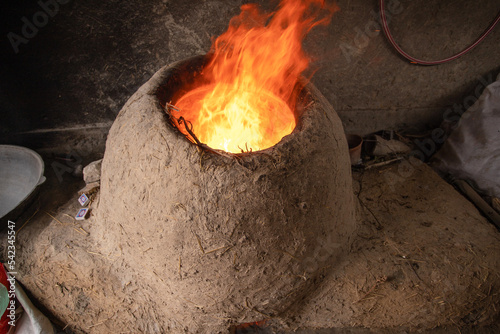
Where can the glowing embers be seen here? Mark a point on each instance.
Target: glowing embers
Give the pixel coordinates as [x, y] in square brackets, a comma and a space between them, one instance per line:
[234, 121]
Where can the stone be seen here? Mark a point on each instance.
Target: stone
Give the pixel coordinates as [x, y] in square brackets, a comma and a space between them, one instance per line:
[384, 147]
[92, 172]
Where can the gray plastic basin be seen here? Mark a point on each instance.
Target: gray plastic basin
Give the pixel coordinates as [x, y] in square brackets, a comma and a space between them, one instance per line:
[21, 171]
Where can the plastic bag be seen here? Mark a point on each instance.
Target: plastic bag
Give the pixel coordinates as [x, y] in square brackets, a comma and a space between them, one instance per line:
[472, 151]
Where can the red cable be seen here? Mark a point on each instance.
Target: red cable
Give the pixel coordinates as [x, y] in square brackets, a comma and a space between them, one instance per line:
[387, 32]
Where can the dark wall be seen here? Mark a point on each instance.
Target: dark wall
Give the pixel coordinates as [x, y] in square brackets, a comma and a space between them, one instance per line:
[84, 62]
[90, 57]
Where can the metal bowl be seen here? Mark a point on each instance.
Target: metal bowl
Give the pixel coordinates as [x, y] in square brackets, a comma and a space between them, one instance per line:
[21, 174]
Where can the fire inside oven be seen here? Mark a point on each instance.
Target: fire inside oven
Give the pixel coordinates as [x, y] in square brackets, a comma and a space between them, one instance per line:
[244, 99]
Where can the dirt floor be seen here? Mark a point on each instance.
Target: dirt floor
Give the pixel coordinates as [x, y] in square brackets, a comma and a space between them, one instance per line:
[423, 258]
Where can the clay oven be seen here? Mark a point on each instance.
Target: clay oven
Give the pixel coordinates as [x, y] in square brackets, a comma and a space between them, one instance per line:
[224, 238]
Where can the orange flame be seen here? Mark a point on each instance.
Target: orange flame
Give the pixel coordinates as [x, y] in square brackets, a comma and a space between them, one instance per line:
[254, 68]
